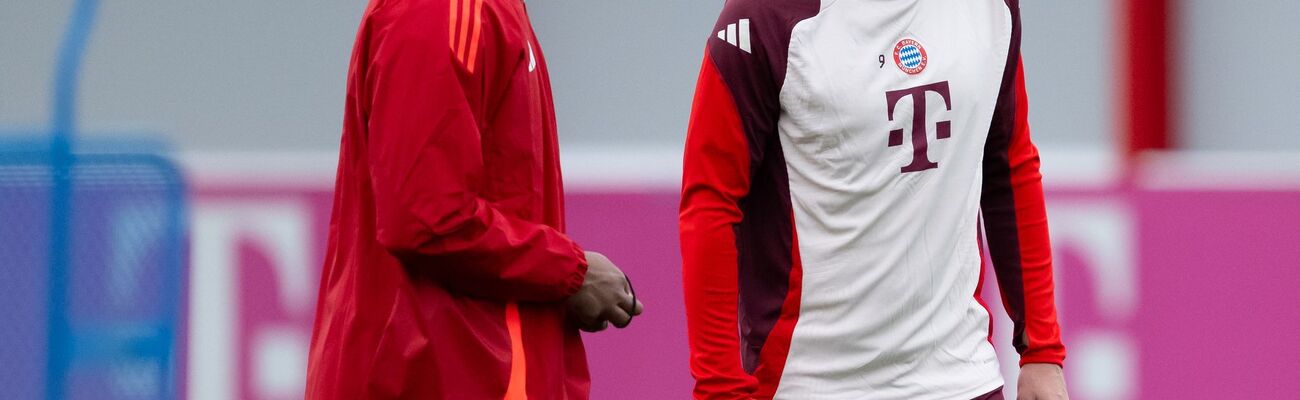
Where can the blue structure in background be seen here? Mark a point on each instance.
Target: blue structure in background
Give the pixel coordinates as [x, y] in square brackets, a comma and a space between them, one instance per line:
[62, 124]
[105, 294]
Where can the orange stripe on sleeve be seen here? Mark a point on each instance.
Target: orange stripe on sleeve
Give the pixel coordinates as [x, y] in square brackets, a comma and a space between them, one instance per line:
[517, 388]
[464, 32]
[452, 19]
[478, 30]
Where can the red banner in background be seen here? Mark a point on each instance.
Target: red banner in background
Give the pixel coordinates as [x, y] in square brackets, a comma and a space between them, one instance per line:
[1163, 294]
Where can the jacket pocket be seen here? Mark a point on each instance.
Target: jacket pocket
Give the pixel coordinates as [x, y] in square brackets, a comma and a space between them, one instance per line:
[401, 351]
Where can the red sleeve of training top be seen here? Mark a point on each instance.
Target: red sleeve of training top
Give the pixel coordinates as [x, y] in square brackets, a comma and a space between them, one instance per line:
[716, 177]
[426, 164]
[1015, 219]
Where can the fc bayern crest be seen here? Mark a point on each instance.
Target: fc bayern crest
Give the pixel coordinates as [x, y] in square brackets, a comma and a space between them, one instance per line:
[910, 56]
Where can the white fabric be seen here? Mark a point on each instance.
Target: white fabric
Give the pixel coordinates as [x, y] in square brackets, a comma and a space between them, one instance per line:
[890, 259]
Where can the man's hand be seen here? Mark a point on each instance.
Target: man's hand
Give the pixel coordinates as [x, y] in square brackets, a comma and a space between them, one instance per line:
[605, 297]
[1041, 382]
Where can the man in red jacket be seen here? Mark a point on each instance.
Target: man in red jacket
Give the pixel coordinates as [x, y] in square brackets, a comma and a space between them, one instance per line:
[448, 273]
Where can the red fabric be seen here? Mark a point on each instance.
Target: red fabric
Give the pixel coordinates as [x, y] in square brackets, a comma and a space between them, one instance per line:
[448, 212]
[1147, 74]
[717, 176]
[1042, 333]
[777, 347]
[996, 394]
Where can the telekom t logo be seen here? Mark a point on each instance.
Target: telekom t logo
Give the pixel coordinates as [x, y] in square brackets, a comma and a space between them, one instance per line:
[920, 157]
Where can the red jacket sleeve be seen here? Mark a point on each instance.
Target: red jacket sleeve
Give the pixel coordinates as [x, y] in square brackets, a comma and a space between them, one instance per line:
[1015, 220]
[427, 169]
[716, 176]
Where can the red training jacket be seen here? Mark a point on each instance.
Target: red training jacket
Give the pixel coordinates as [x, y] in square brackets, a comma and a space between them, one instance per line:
[447, 263]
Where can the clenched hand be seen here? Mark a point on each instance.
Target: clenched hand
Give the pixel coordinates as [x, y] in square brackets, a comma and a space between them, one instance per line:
[605, 297]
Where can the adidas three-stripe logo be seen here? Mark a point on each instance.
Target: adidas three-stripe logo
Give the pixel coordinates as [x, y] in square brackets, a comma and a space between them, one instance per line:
[464, 28]
[737, 34]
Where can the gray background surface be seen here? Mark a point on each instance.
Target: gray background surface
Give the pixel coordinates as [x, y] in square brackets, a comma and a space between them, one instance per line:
[268, 75]
[1241, 77]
